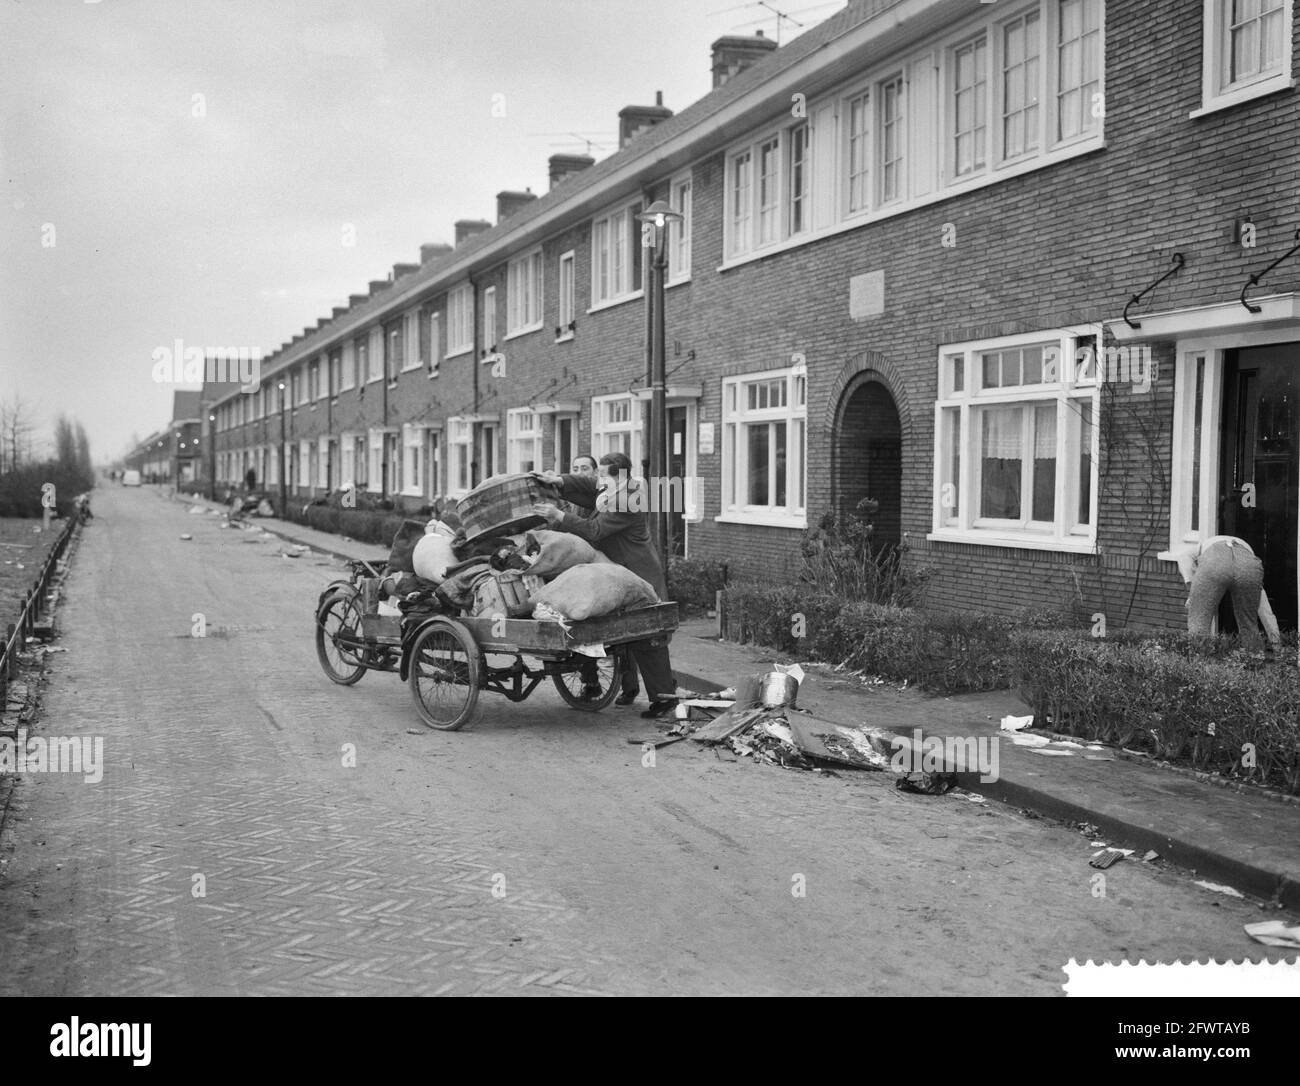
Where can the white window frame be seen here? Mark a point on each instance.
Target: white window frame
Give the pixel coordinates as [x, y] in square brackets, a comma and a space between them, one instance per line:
[375, 354]
[614, 284]
[1216, 92]
[347, 457]
[321, 366]
[1075, 383]
[348, 376]
[432, 461]
[460, 453]
[303, 476]
[323, 461]
[606, 431]
[460, 321]
[883, 126]
[736, 417]
[681, 193]
[489, 321]
[411, 340]
[523, 440]
[413, 467]
[375, 462]
[524, 294]
[568, 292]
[435, 343]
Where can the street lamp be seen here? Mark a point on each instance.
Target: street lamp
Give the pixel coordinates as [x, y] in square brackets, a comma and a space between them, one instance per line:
[212, 456]
[284, 497]
[654, 224]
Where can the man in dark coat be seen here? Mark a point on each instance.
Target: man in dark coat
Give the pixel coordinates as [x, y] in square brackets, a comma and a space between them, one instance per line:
[623, 536]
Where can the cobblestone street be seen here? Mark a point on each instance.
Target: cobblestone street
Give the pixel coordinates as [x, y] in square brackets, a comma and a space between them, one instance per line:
[229, 850]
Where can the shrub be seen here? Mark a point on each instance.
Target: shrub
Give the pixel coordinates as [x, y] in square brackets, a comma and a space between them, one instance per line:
[840, 558]
[1188, 700]
[694, 582]
[21, 489]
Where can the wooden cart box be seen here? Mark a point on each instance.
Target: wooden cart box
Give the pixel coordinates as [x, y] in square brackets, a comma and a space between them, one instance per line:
[537, 638]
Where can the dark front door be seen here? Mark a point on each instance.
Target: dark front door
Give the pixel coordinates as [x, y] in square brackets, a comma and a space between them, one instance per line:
[1260, 495]
[676, 470]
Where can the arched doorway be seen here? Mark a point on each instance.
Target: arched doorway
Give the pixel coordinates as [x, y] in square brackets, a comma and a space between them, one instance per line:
[869, 456]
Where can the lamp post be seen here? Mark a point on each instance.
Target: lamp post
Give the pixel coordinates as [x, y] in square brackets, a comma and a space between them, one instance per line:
[284, 497]
[212, 457]
[654, 224]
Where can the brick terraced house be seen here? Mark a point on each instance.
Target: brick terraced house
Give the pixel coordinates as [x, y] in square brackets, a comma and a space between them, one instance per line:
[912, 239]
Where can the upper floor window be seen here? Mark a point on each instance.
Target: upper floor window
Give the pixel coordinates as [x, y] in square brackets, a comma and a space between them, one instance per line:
[679, 233]
[892, 147]
[460, 324]
[564, 327]
[615, 255]
[524, 294]
[489, 320]
[1247, 50]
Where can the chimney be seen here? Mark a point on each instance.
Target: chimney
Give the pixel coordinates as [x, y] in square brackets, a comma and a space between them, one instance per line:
[633, 120]
[400, 270]
[433, 251]
[339, 310]
[732, 55]
[356, 299]
[376, 285]
[510, 202]
[562, 167]
[467, 228]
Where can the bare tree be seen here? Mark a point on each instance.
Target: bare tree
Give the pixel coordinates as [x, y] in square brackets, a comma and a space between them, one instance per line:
[65, 443]
[17, 425]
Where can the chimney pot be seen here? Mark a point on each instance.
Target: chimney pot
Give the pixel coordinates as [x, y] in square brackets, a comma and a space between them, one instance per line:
[510, 202]
[433, 251]
[561, 167]
[732, 55]
[400, 270]
[633, 120]
[356, 299]
[467, 228]
[376, 285]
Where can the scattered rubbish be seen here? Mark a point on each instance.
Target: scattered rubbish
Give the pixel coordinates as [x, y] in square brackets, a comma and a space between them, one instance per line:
[19, 565]
[416, 731]
[1055, 753]
[1097, 844]
[1274, 933]
[1067, 743]
[1152, 855]
[1108, 858]
[1099, 757]
[251, 541]
[659, 741]
[187, 536]
[1095, 746]
[1218, 889]
[287, 554]
[54, 648]
[196, 510]
[1030, 740]
[1016, 723]
[927, 784]
[1088, 829]
[1135, 753]
[974, 798]
[865, 748]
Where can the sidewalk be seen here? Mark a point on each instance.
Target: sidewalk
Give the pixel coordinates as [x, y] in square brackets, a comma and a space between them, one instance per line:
[1243, 839]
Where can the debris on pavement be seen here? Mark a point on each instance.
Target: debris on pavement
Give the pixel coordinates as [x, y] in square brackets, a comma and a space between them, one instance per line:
[1218, 888]
[1016, 723]
[1029, 740]
[1274, 933]
[1152, 855]
[866, 748]
[187, 536]
[1052, 753]
[1106, 858]
[927, 784]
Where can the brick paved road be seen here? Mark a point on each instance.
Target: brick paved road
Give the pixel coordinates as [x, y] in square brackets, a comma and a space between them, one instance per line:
[224, 761]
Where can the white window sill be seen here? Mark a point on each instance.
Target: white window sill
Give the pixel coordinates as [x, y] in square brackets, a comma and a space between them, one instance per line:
[1243, 94]
[458, 353]
[527, 331]
[764, 520]
[312, 407]
[678, 282]
[1080, 545]
[566, 338]
[416, 493]
[347, 388]
[947, 192]
[622, 299]
[413, 368]
[392, 384]
[374, 380]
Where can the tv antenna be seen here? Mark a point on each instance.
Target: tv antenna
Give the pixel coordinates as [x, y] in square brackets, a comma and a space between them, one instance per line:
[782, 17]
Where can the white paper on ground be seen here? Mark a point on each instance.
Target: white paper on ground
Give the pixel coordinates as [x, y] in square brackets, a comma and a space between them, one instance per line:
[597, 651]
[1274, 933]
[1217, 888]
[1030, 740]
[1057, 753]
[1067, 743]
[1016, 723]
[793, 670]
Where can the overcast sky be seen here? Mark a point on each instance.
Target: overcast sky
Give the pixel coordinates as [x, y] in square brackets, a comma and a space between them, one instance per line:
[136, 213]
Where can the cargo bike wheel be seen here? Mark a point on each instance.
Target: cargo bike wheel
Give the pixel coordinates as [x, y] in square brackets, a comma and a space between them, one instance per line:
[445, 670]
[574, 687]
[338, 636]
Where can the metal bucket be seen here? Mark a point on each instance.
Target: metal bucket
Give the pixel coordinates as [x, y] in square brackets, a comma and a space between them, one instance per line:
[778, 690]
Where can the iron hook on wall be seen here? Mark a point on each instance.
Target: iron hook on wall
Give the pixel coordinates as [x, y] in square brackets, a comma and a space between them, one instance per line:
[1253, 281]
[1179, 261]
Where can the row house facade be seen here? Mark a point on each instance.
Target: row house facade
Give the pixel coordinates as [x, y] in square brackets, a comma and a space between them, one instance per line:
[911, 247]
